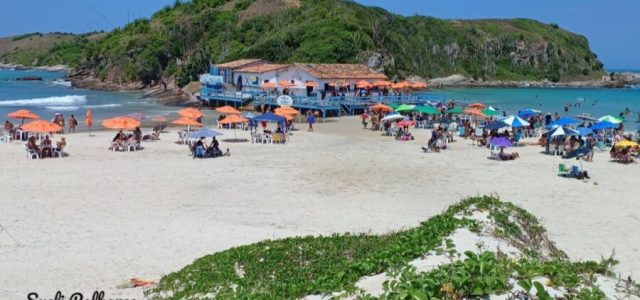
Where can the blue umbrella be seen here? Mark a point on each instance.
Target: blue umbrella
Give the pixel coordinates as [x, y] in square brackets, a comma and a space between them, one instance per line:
[495, 125]
[584, 131]
[204, 133]
[528, 113]
[564, 121]
[580, 152]
[604, 125]
[562, 131]
[501, 142]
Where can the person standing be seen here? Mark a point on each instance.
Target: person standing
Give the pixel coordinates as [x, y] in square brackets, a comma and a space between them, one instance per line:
[365, 117]
[72, 124]
[311, 119]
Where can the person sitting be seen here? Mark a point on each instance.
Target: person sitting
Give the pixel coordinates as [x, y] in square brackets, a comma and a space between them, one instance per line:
[508, 156]
[118, 141]
[198, 149]
[47, 151]
[61, 144]
[31, 145]
[8, 127]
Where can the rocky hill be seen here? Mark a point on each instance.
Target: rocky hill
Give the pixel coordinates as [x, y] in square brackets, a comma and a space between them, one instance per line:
[179, 42]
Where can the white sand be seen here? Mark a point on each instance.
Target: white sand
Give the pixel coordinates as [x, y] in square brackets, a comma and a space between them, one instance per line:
[95, 219]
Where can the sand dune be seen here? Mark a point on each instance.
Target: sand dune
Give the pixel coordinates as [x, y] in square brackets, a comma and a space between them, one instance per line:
[96, 218]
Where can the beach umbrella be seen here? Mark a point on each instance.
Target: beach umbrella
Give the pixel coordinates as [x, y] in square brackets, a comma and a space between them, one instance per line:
[580, 152]
[474, 112]
[269, 85]
[381, 107]
[564, 121]
[391, 117]
[286, 83]
[501, 142]
[190, 113]
[310, 83]
[121, 123]
[584, 131]
[401, 85]
[187, 122]
[604, 125]
[626, 143]
[405, 108]
[41, 126]
[528, 113]
[363, 84]
[419, 85]
[228, 110]
[585, 116]
[455, 111]
[429, 110]
[394, 105]
[490, 112]
[287, 110]
[495, 125]
[23, 114]
[476, 105]
[204, 133]
[562, 131]
[611, 119]
[405, 123]
[515, 121]
[88, 119]
[382, 83]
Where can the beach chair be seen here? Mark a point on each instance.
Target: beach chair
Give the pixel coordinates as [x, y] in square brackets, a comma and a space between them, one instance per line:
[31, 153]
[276, 139]
[495, 151]
[58, 152]
[601, 146]
[477, 135]
[562, 170]
[200, 152]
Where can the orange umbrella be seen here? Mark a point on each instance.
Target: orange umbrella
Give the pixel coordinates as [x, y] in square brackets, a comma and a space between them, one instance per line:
[363, 84]
[310, 83]
[23, 114]
[187, 122]
[233, 119]
[288, 117]
[228, 110]
[286, 83]
[476, 105]
[381, 107]
[401, 85]
[41, 126]
[419, 85]
[269, 85]
[287, 110]
[382, 83]
[88, 120]
[121, 123]
[190, 113]
[474, 112]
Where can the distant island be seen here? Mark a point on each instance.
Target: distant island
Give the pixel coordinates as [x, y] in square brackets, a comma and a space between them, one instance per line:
[179, 42]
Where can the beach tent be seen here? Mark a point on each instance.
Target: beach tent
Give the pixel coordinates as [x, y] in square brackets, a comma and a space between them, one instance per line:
[268, 117]
[611, 119]
[515, 121]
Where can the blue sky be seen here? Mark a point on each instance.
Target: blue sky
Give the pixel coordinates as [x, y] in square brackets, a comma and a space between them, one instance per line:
[611, 25]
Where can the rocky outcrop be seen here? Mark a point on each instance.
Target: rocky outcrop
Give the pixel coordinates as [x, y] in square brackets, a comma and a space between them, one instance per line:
[29, 78]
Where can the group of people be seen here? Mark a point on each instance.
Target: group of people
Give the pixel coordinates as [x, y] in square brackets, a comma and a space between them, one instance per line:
[60, 121]
[45, 148]
[624, 155]
[201, 149]
[121, 140]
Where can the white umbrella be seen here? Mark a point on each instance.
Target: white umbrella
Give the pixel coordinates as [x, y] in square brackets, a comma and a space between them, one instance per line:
[515, 121]
[392, 117]
[610, 119]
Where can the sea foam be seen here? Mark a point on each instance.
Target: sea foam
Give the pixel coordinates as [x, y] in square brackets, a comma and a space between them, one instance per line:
[49, 101]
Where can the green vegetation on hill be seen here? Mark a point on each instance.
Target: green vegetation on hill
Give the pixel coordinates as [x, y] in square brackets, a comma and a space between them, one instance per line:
[38, 49]
[295, 267]
[182, 40]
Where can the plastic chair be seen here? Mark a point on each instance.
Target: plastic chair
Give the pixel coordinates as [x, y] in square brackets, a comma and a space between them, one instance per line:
[562, 170]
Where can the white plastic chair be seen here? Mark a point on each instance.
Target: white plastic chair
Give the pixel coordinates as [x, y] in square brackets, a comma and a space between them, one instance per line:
[31, 153]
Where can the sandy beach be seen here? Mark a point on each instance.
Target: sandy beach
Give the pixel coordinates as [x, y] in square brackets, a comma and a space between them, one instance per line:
[97, 218]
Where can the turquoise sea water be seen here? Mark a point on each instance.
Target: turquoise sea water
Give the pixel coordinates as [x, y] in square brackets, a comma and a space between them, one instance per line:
[48, 97]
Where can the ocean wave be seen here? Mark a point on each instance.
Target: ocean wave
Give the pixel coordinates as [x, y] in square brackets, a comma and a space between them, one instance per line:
[103, 105]
[61, 108]
[49, 101]
[61, 82]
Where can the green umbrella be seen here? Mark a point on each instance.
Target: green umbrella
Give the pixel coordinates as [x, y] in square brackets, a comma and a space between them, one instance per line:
[405, 107]
[394, 105]
[455, 111]
[611, 119]
[429, 110]
[490, 112]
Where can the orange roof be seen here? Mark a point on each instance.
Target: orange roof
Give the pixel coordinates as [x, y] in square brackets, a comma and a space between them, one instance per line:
[341, 71]
[236, 64]
[263, 68]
